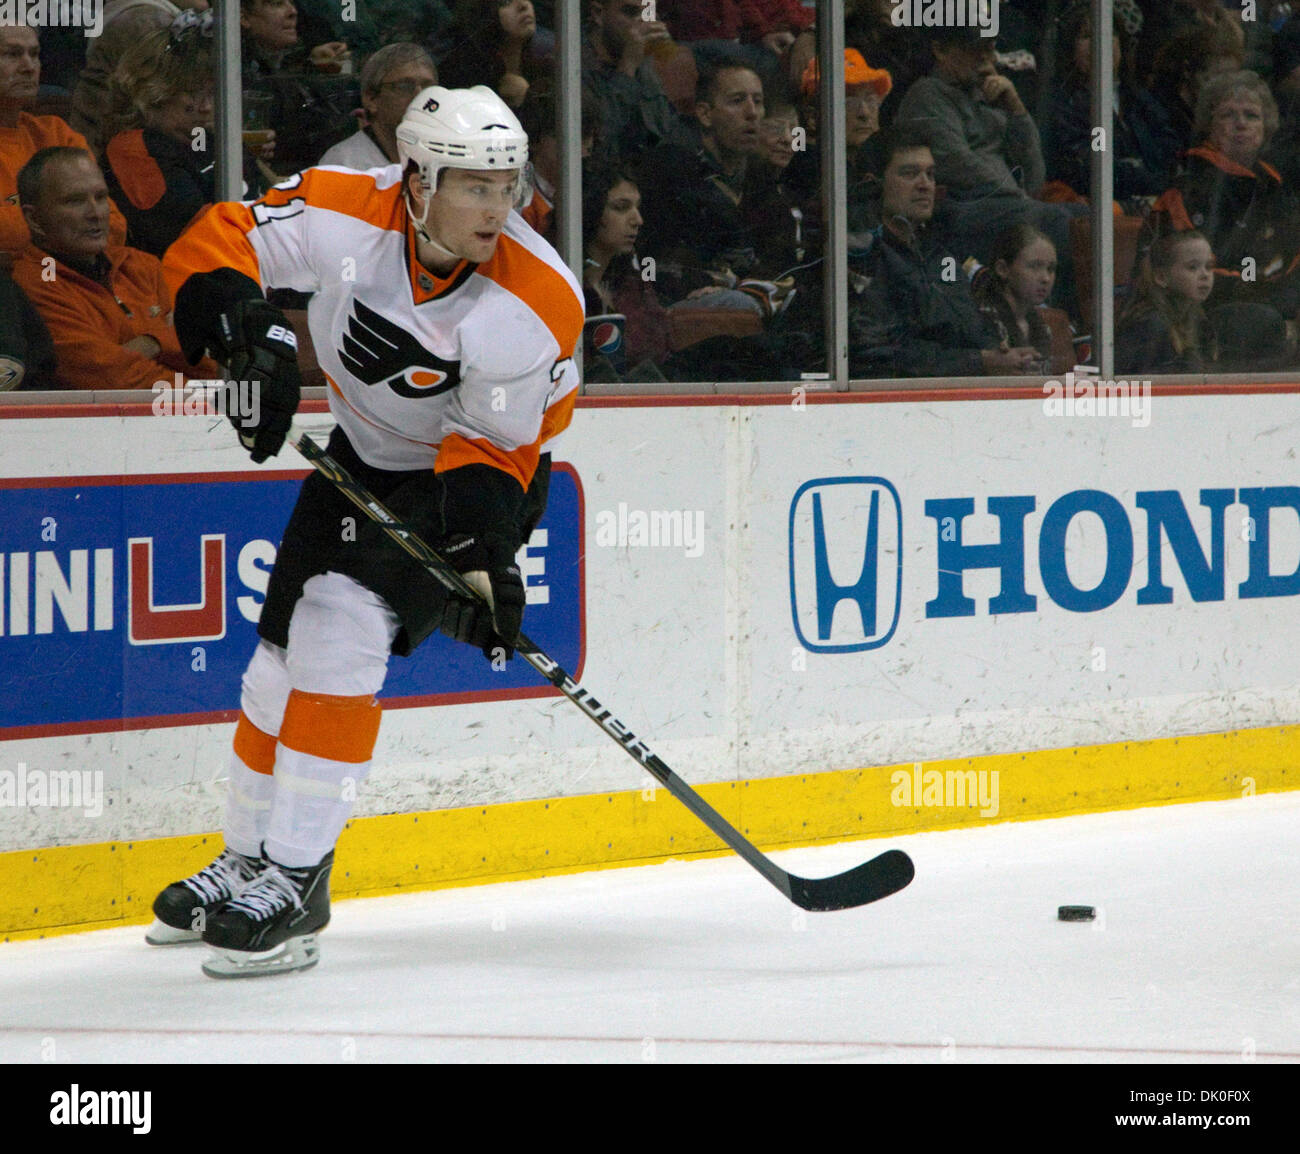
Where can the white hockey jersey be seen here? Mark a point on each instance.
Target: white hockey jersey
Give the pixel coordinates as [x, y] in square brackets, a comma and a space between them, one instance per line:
[423, 371]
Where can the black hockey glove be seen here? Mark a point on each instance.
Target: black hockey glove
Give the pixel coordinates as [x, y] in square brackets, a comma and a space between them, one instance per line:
[487, 562]
[256, 343]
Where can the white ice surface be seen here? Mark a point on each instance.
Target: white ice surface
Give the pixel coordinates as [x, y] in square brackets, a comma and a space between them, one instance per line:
[1194, 957]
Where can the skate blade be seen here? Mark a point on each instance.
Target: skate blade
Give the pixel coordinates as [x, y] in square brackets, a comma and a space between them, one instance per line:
[161, 934]
[295, 954]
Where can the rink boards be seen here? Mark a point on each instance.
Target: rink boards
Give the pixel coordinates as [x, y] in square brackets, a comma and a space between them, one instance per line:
[839, 616]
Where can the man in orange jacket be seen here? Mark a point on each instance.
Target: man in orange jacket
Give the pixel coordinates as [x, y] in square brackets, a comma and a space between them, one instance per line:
[22, 135]
[107, 306]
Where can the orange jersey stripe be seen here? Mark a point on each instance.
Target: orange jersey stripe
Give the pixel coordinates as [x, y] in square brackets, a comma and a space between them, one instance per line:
[540, 287]
[456, 450]
[335, 728]
[253, 747]
[520, 463]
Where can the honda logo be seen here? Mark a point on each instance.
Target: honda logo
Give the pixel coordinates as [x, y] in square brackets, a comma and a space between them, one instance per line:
[846, 570]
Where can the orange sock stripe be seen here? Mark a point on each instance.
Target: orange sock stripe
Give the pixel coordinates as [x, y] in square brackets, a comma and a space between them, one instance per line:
[335, 728]
[253, 747]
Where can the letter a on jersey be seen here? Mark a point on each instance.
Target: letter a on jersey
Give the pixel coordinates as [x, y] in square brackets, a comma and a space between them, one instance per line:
[376, 350]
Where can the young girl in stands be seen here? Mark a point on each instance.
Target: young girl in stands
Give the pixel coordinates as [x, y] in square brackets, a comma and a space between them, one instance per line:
[1012, 290]
[1164, 328]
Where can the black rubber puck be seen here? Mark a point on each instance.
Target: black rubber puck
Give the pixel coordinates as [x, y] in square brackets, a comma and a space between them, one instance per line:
[1076, 913]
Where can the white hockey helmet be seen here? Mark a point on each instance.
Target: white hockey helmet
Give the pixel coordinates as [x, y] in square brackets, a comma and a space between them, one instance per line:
[461, 128]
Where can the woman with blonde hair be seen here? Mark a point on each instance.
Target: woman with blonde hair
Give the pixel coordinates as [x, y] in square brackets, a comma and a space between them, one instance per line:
[126, 22]
[159, 159]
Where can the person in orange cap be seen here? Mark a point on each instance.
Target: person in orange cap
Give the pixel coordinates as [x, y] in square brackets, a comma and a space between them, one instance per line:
[865, 88]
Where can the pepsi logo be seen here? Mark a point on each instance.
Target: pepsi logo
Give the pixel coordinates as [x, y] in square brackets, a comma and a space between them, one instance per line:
[607, 337]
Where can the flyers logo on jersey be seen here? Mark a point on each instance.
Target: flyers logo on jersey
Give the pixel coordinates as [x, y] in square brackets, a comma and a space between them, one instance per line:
[376, 351]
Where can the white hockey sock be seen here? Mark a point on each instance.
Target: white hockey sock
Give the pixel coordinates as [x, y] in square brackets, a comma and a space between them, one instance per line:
[339, 640]
[313, 798]
[248, 808]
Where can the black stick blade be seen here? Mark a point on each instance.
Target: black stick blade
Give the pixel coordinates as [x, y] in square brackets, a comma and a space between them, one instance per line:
[869, 882]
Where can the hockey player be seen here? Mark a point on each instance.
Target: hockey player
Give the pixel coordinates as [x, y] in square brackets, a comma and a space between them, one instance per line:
[446, 329]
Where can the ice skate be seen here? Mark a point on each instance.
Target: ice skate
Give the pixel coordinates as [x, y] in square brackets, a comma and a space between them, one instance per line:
[182, 909]
[271, 926]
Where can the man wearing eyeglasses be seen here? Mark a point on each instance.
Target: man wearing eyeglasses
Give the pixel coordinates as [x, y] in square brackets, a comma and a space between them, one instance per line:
[390, 80]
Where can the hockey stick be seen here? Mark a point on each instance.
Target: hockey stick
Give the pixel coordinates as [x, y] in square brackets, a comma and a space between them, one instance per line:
[875, 879]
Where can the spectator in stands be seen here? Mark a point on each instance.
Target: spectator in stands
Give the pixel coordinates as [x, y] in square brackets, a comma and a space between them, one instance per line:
[390, 80]
[159, 162]
[26, 351]
[22, 134]
[1143, 146]
[634, 111]
[707, 222]
[492, 45]
[776, 135]
[1240, 202]
[865, 88]
[107, 306]
[1164, 328]
[125, 23]
[312, 103]
[270, 35]
[612, 284]
[913, 314]
[985, 145]
[1012, 292]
